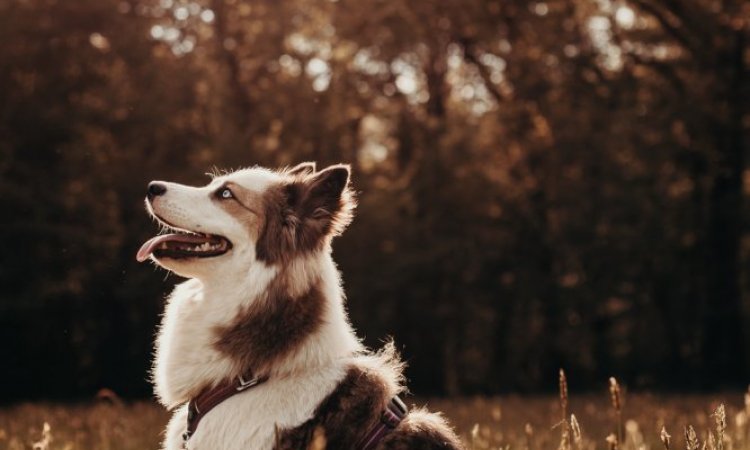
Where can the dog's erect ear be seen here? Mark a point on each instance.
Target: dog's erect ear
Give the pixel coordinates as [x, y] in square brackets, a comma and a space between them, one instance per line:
[326, 203]
[305, 168]
[327, 186]
[304, 214]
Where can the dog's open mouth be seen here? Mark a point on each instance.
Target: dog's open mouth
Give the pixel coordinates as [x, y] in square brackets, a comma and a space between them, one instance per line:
[184, 245]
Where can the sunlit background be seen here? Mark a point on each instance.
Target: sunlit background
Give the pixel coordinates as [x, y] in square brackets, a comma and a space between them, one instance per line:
[541, 184]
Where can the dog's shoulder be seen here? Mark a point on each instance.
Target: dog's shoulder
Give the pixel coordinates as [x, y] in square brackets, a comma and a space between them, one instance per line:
[353, 407]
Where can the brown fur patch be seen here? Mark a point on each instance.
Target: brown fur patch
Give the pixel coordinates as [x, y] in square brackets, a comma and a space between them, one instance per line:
[422, 430]
[272, 327]
[302, 214]
[355, 406]
[344, 416]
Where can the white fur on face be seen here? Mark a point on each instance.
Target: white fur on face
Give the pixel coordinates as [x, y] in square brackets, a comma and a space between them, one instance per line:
[197, 209]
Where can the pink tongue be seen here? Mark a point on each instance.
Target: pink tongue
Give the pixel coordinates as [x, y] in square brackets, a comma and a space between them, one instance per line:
[148, 248]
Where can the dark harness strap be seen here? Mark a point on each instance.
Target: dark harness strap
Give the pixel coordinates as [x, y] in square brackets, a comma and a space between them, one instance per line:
[391, 417]
[209, 398]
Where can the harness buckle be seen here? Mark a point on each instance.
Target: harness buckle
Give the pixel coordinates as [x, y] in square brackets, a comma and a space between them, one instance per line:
[399, 405]
[246, 384]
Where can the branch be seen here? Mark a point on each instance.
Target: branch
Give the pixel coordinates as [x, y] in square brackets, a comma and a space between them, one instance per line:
[665, 70]
[471, 57]
[678, 9]
[671, 28]
[230, 59]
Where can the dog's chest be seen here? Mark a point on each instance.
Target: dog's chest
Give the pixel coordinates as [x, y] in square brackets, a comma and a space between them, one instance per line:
[184, 349]
[250, 420]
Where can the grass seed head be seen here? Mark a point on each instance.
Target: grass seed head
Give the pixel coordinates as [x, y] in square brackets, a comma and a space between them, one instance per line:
[565, 437]
[563, 393]
[691, 439]
[612, 442]
[474, 435]
[575, 429]
[666, 439]
[529, 432]
[44, 443]
[616, 397]
[712, 441]
[615, 394]
[720, 416]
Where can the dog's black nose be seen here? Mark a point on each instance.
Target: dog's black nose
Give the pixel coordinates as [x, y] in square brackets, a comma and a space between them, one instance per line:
[156, 189]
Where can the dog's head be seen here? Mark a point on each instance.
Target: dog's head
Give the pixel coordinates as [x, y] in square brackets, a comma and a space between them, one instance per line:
[246, 217]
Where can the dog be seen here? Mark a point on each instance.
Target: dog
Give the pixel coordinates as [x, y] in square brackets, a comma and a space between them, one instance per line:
[255, 350]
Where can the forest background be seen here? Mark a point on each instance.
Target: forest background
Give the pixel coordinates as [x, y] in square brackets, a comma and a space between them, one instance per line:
[542, 184]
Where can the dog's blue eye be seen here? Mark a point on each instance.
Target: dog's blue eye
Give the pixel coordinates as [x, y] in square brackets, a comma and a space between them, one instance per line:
[225, 193]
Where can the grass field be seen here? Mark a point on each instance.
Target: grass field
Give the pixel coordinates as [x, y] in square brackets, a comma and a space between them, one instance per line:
[507, 423]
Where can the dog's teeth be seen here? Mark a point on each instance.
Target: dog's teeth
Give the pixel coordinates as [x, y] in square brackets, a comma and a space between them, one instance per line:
[203, 247]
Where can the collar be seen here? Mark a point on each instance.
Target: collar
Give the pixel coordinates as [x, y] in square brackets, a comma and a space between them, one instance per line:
[211, 397]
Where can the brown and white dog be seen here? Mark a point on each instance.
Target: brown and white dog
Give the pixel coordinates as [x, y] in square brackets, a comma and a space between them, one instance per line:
[256, 345]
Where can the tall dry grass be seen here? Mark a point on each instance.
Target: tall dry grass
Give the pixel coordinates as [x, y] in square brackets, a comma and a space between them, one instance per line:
[609, 420]
[97, 426]
[643, 425]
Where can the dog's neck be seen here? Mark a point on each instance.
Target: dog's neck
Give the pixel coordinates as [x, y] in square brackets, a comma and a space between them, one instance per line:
[271, 321]
[296, 323]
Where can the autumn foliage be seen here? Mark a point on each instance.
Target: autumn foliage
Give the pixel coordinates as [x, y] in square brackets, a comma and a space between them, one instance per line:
[541, 183]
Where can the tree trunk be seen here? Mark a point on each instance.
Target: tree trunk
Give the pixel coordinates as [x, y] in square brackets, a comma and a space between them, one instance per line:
[723, 344]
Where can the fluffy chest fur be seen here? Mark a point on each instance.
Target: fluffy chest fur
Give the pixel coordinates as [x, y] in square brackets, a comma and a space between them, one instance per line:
[207, 337]
[186, 355]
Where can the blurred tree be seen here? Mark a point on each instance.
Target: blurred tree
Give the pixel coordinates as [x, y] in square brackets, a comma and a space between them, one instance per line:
[704, 44]
[90, 108]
